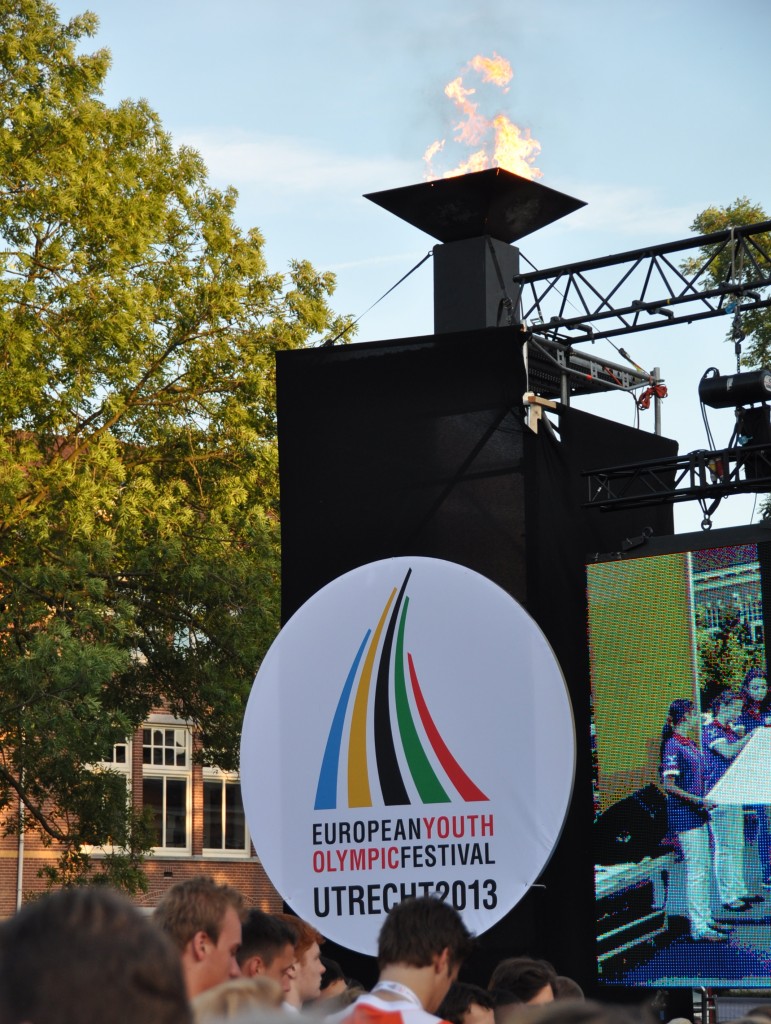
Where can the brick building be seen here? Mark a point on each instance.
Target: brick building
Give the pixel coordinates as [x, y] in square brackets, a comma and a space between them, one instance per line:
[199, 822]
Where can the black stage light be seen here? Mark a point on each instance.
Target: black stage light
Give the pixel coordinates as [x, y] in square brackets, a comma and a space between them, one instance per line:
[736, 389]
[754, 425]
[753, 428]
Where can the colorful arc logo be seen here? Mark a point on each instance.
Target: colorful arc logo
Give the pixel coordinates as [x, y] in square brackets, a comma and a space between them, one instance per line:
[388, 667]
[349, 819]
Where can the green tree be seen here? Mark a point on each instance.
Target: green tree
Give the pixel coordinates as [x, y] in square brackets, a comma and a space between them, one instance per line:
[725, 655]
[139, 545]
[750, 330]
[755, 325]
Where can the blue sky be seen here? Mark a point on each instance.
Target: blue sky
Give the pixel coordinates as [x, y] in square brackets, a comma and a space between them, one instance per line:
[648, 112]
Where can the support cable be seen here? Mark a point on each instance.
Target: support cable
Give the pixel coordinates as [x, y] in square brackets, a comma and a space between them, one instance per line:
[331, 341]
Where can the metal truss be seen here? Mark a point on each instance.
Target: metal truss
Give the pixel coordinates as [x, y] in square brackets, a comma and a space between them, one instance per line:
[652, 290]
[557, 370]
[641, 290]
[707, 476]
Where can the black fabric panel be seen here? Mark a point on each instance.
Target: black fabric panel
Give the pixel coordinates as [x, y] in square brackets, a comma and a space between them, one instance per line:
[418, 446]
[591, 443]
[400, 448]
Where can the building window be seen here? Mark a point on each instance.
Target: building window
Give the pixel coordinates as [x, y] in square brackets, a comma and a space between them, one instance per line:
[118, 763]
[168, 791]
[167, 797]
[119, 756]
[164, 746]
[166, 783]
[224, 822]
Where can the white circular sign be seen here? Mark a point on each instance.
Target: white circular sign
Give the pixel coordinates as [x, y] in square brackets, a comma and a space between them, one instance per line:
[409, 733]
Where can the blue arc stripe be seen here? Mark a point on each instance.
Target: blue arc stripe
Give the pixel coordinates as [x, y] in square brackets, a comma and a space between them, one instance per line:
[326, 792]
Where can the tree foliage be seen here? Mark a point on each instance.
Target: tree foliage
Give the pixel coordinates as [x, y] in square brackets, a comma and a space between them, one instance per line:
[138, 467]
[755, 325]
[725, 654]
[749, 330]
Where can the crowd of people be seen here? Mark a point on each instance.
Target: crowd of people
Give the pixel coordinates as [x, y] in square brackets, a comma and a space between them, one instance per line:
[711, 835]
[87, 955]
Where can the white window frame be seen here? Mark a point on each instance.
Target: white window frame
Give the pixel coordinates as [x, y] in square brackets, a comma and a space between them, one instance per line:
[122, 768]
[165, 773]
[220, 853]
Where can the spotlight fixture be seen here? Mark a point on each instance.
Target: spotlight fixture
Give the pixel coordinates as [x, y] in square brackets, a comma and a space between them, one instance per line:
[734, 390]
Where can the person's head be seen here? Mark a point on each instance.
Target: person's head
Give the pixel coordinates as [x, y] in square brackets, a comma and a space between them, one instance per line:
[581, 1011]
[238, 999]
[530, 980]
[419, 928]
[88, 955]
[755, 686]
[505, 1005]
[267, 948]
[424, 932]
[203, 920]
[309, 969]
[727, 706]
[681, 716]
[334, 982]
[567, 988]
[467, 1004]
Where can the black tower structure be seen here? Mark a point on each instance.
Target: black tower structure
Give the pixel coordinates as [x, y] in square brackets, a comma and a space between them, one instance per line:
[420, 446]
[476, 217]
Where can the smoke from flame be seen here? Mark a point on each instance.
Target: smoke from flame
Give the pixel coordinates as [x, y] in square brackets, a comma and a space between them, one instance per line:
[512, 147]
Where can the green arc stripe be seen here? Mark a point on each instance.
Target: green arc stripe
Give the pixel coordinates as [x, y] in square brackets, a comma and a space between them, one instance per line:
[423, 775]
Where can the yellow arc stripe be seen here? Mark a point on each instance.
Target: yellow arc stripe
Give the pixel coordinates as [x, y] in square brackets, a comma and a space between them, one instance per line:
[358, 772]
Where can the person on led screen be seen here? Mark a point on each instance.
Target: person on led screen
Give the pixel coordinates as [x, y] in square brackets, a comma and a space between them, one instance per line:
[755, 713]
[721, 745]
[682, 773]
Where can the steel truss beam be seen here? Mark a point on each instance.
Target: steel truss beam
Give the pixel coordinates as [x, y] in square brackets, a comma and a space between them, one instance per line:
[652, 290]
[549, 362]
[701, 475]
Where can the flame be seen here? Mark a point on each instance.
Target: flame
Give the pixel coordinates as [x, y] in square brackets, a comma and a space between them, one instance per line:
[493, 69]
[513, 148]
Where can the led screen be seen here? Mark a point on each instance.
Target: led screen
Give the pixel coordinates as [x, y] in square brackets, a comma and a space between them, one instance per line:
[681, 740]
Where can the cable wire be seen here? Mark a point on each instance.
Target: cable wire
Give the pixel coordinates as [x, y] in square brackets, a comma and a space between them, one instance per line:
[331, 341]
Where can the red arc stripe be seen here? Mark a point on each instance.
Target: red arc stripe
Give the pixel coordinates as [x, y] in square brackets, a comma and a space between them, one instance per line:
[455, 773]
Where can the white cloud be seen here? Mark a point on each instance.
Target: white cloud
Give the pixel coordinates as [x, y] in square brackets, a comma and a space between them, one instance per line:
[630, 210]
[287, 165]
